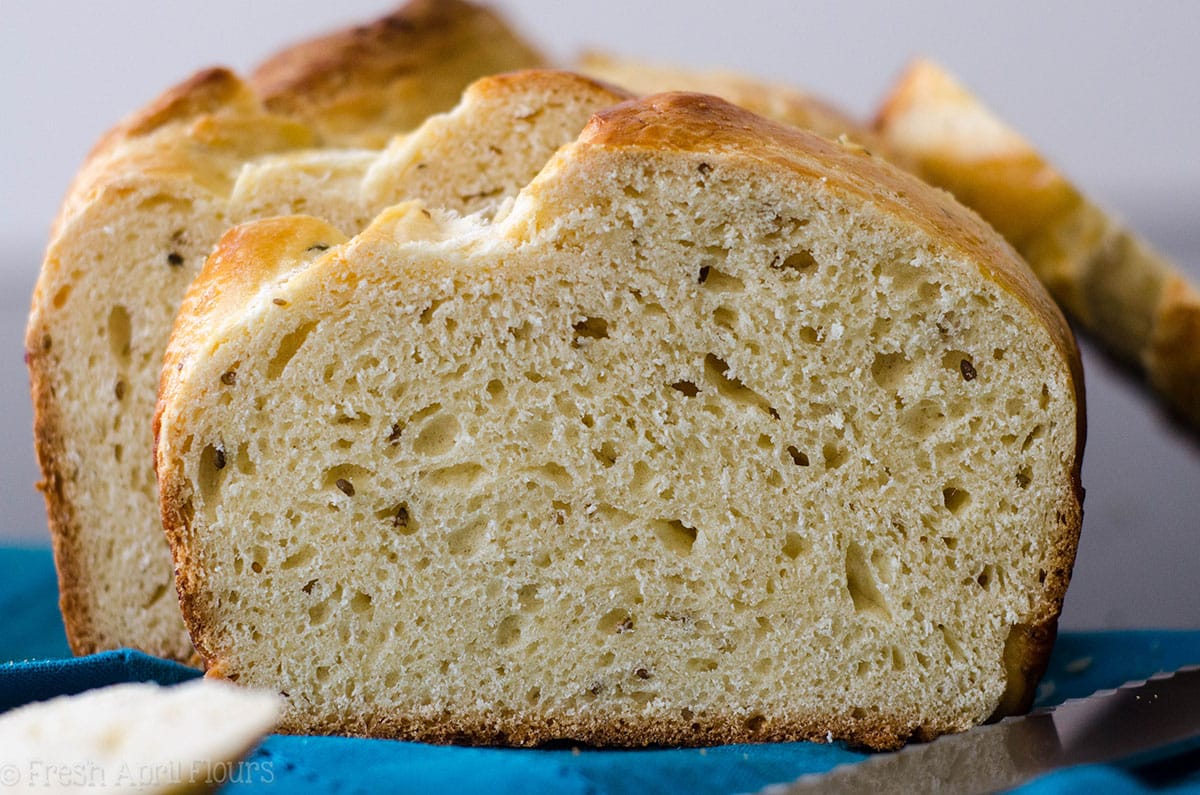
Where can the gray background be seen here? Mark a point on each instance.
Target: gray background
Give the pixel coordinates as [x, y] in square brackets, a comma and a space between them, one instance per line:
[1108, 90]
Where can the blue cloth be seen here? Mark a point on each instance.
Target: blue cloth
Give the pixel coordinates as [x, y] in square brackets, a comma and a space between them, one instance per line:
[33, 637]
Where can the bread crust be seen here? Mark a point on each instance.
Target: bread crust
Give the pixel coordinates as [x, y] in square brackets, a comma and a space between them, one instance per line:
[1122, 292]
[358, 86]
[252, 256]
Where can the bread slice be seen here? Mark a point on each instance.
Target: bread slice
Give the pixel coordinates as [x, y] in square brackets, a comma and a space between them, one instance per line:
[137, 737]
[721, 432]
[1136, 303]
[140, 221]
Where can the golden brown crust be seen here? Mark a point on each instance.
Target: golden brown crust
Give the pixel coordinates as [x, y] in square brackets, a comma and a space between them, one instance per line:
[362, 85]
[1111, 282]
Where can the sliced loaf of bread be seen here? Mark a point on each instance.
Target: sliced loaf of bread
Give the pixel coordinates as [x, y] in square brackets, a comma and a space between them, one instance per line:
[1130, 298]
[720, 432]
[140, 219]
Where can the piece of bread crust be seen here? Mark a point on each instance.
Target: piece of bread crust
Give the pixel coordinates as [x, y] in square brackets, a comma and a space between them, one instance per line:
[265, 278]
[1130, 298]
[358, 87]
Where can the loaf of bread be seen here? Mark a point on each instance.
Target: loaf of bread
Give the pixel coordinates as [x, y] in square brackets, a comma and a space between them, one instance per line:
[152, 201]
[1131, 299]
[719, 432]
[137, 737]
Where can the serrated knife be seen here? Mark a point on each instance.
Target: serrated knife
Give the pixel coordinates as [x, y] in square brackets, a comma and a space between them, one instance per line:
[1141, 721]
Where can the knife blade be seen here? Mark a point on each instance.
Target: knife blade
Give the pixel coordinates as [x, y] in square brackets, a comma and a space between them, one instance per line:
[1150, 718]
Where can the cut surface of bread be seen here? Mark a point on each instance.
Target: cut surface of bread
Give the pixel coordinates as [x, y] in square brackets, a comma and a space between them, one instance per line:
[139, 223]
[1126, 295]
[720, 432]
[138, 737]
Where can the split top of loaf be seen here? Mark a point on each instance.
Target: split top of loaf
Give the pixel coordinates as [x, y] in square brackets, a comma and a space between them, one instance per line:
[719, 432]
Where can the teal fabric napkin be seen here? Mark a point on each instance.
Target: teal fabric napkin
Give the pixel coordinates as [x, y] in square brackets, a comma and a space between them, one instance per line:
[41, 668]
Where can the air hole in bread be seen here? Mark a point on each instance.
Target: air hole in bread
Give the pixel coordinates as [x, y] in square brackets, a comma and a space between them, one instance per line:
[437, 436]
[288, 346]
[725, 317]
[890, 369]
[795, 545]
[301, 557]
[923, 419]
[528, 599]
[60, 296]
[716, 373]
[120, 332]
[606, 454]
[955, 499]
[799, 458]
[643, 477]
[555, 474]
[1024, 477]
[687, 388]
[343, 478]
[809, 335]
[590, 328]
[360, 602]
[861, 583]
[719, 281]
[615, 622]
[952, 642]
[799, 263]
[1038, 431]
[675, 536]
[468, 538]
[427, 315]
[509, 631]
[211, 471]
[701, 664]
[834, 455]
